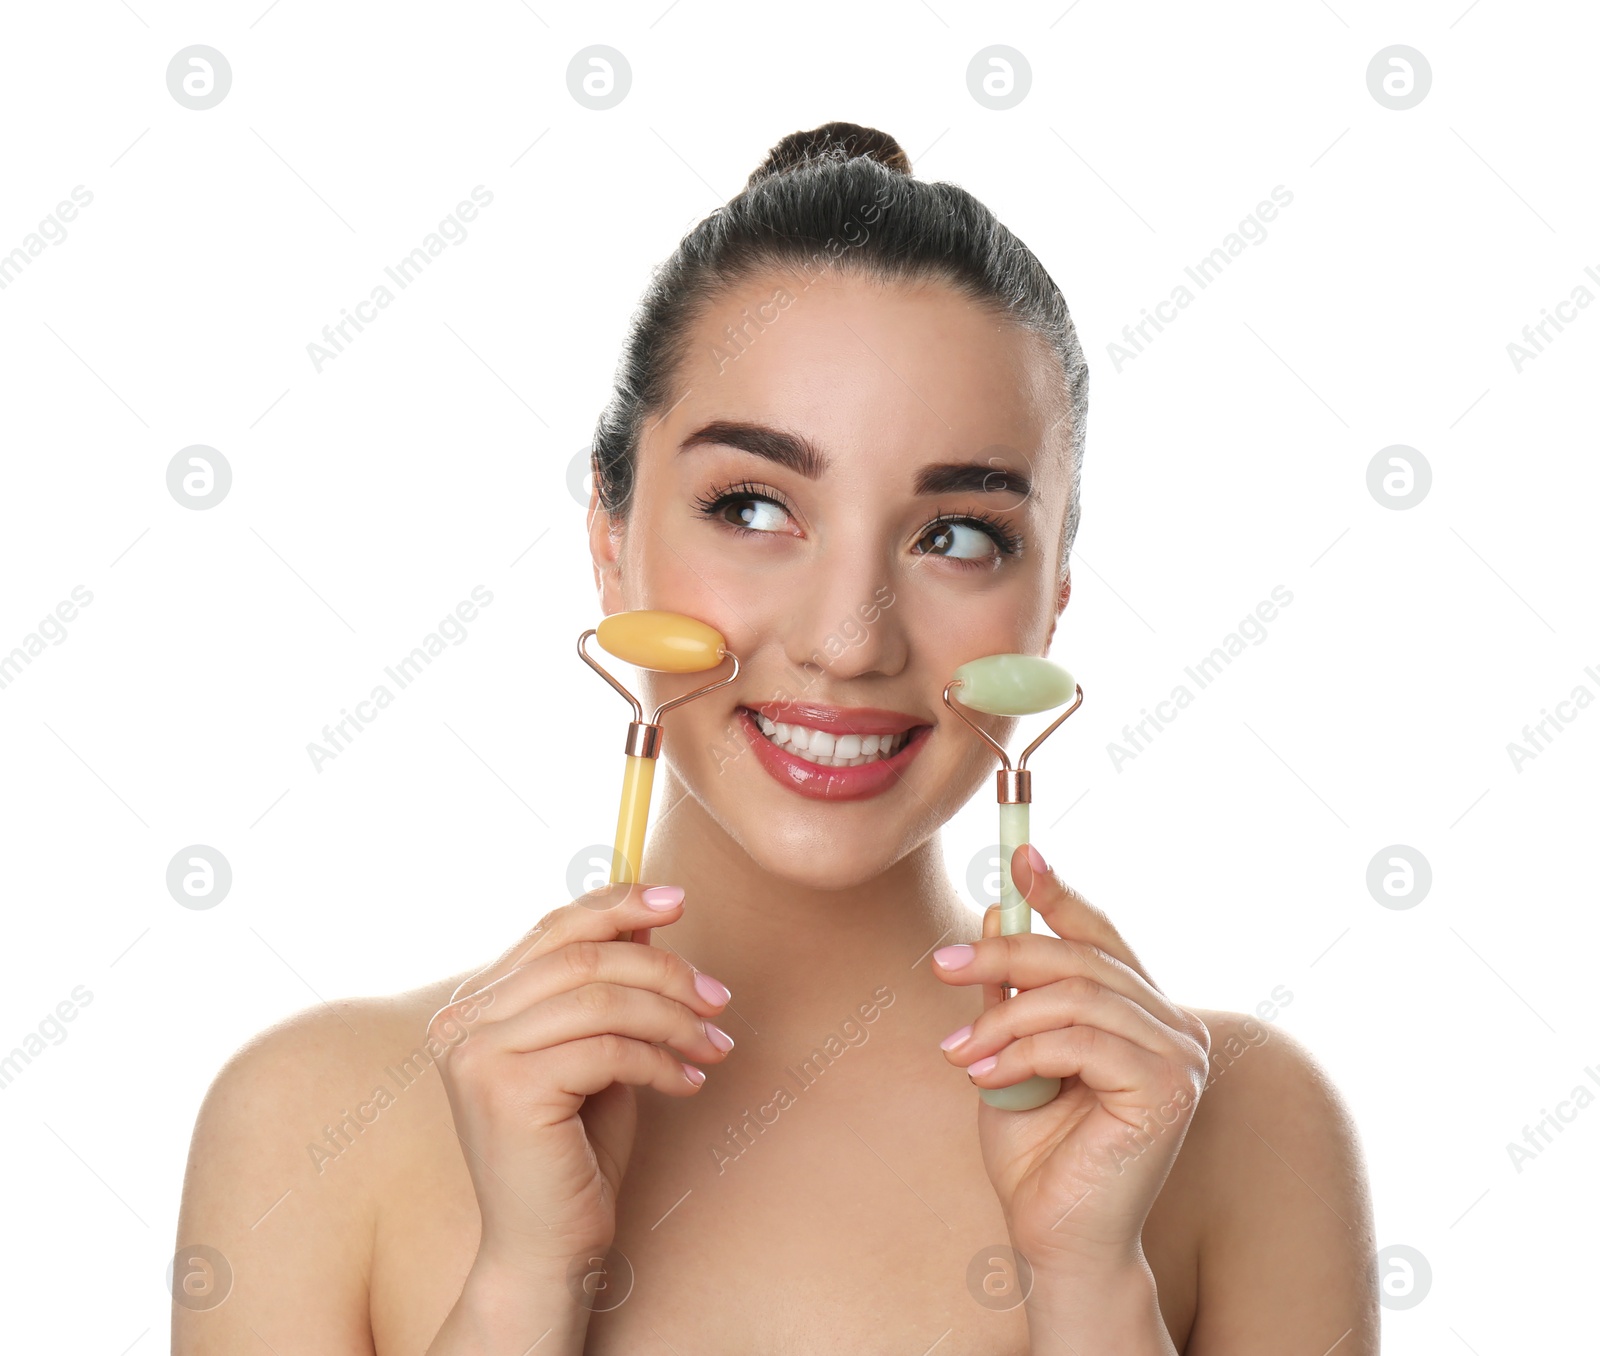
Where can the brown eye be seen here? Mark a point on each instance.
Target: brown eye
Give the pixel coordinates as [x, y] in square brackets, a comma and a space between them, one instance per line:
[959, 541]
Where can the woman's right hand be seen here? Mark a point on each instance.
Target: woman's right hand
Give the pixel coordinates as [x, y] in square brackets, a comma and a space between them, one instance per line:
[561, 1029]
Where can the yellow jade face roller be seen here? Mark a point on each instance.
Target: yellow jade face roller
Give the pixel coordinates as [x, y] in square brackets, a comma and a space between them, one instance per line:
[1014, 685]
[667, 642]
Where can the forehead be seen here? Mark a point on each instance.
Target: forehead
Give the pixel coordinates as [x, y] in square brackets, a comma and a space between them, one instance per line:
[883, 376]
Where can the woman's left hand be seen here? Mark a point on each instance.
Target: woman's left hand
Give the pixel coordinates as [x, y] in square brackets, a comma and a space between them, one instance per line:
[1077, 1176]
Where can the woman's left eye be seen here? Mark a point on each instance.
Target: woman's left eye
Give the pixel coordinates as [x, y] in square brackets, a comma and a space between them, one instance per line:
[960, 541]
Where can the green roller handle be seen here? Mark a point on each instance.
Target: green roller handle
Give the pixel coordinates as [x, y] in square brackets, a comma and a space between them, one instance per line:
[1016, 917]
[1015, 685]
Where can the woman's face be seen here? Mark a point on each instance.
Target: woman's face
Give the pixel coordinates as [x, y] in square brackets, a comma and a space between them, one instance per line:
[861, 486]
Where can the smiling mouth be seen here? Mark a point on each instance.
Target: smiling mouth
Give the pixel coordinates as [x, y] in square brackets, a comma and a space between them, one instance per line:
[826, 749]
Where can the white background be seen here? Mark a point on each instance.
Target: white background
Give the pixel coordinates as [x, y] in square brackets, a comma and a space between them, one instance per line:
[431, 456]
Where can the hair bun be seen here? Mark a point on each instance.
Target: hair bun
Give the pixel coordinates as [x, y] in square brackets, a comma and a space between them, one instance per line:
[833, 141]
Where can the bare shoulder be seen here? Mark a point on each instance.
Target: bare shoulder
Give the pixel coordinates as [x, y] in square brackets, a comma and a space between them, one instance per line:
[285, 1166]
[1286, 1246]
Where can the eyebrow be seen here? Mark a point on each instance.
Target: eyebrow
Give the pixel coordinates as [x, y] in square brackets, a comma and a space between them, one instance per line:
[804, 458]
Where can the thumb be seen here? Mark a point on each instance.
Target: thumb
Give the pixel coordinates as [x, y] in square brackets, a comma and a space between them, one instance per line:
[1067, 913]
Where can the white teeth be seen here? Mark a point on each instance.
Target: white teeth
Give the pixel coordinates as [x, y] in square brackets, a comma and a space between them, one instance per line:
[826, 749]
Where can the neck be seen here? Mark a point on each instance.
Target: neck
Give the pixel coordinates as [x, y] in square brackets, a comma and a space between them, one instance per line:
[798, 957]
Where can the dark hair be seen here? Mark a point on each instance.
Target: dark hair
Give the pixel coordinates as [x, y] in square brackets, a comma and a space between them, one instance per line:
[804, 205]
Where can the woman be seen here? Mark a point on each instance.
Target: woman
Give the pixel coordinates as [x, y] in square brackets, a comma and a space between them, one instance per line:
[846, 432]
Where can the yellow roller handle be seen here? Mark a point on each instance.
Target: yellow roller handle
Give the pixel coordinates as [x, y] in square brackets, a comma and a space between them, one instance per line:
[632, 816]
[667, 642]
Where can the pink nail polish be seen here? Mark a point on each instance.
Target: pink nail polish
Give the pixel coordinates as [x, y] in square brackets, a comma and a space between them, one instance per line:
[1035, 860]
[712, 990]
[954, 957]
[662, 896]
[982, 1066]
[956, 1038]
[717, 1036]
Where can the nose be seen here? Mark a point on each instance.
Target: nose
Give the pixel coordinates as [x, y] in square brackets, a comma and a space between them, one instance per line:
[844, 621]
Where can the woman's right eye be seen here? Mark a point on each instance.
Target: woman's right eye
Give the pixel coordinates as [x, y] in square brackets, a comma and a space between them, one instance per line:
[745, 510]
[758, 515]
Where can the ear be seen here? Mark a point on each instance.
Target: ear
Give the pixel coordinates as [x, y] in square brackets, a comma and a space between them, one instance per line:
[1061, 606]
[605, 545]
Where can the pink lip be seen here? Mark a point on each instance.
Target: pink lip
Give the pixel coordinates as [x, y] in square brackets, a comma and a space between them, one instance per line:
[861, 720]
[833, 783]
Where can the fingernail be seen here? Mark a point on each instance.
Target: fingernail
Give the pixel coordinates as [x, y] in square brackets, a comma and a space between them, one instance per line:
[712, 990]
[1035, 860]
[954, 957]
[662, 896]
[956, 1038]
[982, 1066]
[718, 1037]
[694, 1075]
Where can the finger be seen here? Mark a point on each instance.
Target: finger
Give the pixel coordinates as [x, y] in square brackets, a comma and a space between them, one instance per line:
[587, 962]
[1075, 1001]
[599, 1009]
[600, 915]
[1029, 960]
[584, 1067]
[1124, 1072]
[1067, 913]
[992, 993]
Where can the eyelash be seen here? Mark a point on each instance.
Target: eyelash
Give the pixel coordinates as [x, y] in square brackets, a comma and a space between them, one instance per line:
[1001, 533]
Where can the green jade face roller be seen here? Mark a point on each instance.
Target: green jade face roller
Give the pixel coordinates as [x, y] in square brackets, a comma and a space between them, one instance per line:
[1014, 685]
[667, 642]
